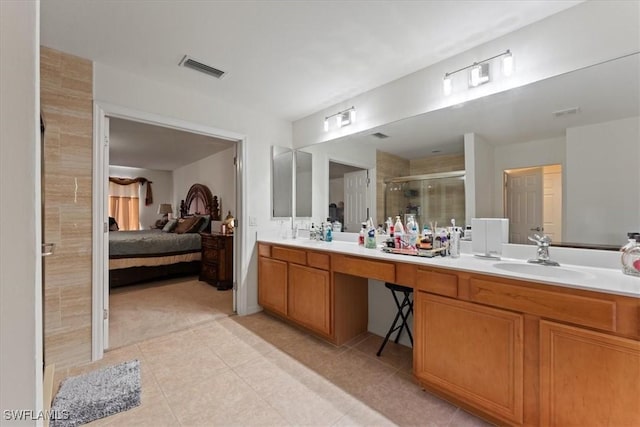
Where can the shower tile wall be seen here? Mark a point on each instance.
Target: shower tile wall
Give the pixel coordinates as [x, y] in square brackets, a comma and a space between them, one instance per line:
[388, 166]
[436, 164]
[66, 90]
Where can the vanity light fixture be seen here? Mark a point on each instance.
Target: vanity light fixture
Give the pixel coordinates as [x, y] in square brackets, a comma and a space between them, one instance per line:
[479, 72]
[343, 118]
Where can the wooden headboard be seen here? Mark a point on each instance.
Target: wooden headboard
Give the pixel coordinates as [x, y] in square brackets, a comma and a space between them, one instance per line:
[200, 201]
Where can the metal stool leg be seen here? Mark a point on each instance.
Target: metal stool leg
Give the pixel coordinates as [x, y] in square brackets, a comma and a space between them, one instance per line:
[406, 302]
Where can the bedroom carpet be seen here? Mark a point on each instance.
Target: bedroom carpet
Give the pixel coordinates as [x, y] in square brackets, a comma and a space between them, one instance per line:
[154, 309]
[257, 370]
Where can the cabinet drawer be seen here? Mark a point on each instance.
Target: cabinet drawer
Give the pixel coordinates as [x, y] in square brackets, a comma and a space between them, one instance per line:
[211, 255]
[212, 242]
[209, 272]
[581, 310]
[264, 250]
[318, 260]
[292, 255]
[437, 283]
[371, 269]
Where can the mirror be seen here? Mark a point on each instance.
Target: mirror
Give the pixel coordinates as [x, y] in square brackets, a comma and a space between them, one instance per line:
[281, 182]
[583, 125]
[304, 193]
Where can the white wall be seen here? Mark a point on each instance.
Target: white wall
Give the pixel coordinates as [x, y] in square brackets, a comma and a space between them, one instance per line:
[602, 181]
[260, 130]
[533, 153]
[20, 218]
[216, 172]
[588, 33]
[478, 186]
[162, 187]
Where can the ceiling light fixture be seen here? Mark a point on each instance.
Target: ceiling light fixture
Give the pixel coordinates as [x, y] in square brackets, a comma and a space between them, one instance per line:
[343, 118]
[479, 72]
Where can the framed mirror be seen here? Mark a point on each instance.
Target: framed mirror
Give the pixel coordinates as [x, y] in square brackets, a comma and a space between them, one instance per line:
[281, 182]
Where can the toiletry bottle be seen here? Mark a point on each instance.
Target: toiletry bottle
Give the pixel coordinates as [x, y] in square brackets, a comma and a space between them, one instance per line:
[312, 232]
[328, 236]
[389, 226]
[370, 239]
[412, 231]
[320, 232]
[454, 243]
[363, 232]
[631, 255]
[398, 231]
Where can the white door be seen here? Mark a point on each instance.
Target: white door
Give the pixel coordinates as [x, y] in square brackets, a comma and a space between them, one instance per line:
[524, 204]
[552, 206]
[105, 241]
[355, 200]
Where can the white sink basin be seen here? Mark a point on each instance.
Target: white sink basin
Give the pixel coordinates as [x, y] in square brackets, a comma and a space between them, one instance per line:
[541, 270]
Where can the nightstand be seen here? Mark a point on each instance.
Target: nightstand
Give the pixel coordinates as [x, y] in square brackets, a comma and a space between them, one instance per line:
[217, 260]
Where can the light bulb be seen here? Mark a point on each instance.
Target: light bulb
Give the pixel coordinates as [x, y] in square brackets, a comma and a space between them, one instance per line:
[339, 120]
[507, 64]
[475, 76]
[326, 125]
[447, 85]
[352, 115]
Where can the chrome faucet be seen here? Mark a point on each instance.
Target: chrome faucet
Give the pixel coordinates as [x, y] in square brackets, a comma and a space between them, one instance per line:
[543, 250]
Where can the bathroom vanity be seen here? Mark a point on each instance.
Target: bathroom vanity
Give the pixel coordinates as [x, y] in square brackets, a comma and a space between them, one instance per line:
[514, 344]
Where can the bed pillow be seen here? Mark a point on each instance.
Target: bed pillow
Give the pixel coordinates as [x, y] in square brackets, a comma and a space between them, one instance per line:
[206, 219]
[170, 226]
[188, 225]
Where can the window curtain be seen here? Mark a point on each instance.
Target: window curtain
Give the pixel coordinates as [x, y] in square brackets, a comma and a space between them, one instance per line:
[124, 204]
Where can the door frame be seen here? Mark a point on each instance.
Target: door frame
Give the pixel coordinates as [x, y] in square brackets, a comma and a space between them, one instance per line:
[100, 176]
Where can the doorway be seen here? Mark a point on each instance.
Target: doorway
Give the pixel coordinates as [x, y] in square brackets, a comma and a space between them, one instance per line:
[533, 202]
[151, 169]
[348, 195]
[103, 113]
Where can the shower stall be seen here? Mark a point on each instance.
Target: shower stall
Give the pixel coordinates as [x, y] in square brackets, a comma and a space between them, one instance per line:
[432, 198]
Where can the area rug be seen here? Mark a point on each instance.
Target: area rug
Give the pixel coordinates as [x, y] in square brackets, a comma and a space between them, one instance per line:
[97, 394]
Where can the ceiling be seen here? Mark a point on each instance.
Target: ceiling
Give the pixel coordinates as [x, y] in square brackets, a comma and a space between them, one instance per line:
[603, 92]
[153, 147]
[286, 58]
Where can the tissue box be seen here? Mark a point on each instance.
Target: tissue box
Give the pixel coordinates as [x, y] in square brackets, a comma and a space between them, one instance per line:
[488, 236]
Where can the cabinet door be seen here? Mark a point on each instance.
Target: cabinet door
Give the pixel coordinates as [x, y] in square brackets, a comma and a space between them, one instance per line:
[471, 352]
[310, 297]
[588, 378]
[272, 285]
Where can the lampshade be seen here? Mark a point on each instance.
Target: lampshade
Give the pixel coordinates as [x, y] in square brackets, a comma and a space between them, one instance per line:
[164, 209]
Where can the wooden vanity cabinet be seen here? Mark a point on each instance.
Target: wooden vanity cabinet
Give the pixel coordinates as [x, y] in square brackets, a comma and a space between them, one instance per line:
[296, 285]
[588, 377]
[524, 353]
[472, 352]
[309, 297]
[272, 289]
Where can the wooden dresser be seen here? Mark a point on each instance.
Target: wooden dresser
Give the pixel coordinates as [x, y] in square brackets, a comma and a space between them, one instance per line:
[217, 260]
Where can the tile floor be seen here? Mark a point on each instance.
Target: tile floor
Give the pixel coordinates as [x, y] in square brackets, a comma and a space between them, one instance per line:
[257, 370]
[154, 309]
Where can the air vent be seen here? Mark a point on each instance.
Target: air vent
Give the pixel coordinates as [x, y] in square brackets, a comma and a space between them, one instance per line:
[567, 112]
[380, 135]
[203, 68]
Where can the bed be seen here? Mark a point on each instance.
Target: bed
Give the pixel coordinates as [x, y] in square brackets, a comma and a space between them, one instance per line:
[144, 255]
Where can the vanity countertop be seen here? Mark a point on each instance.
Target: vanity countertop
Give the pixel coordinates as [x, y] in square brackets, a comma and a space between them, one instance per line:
[606, 280]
